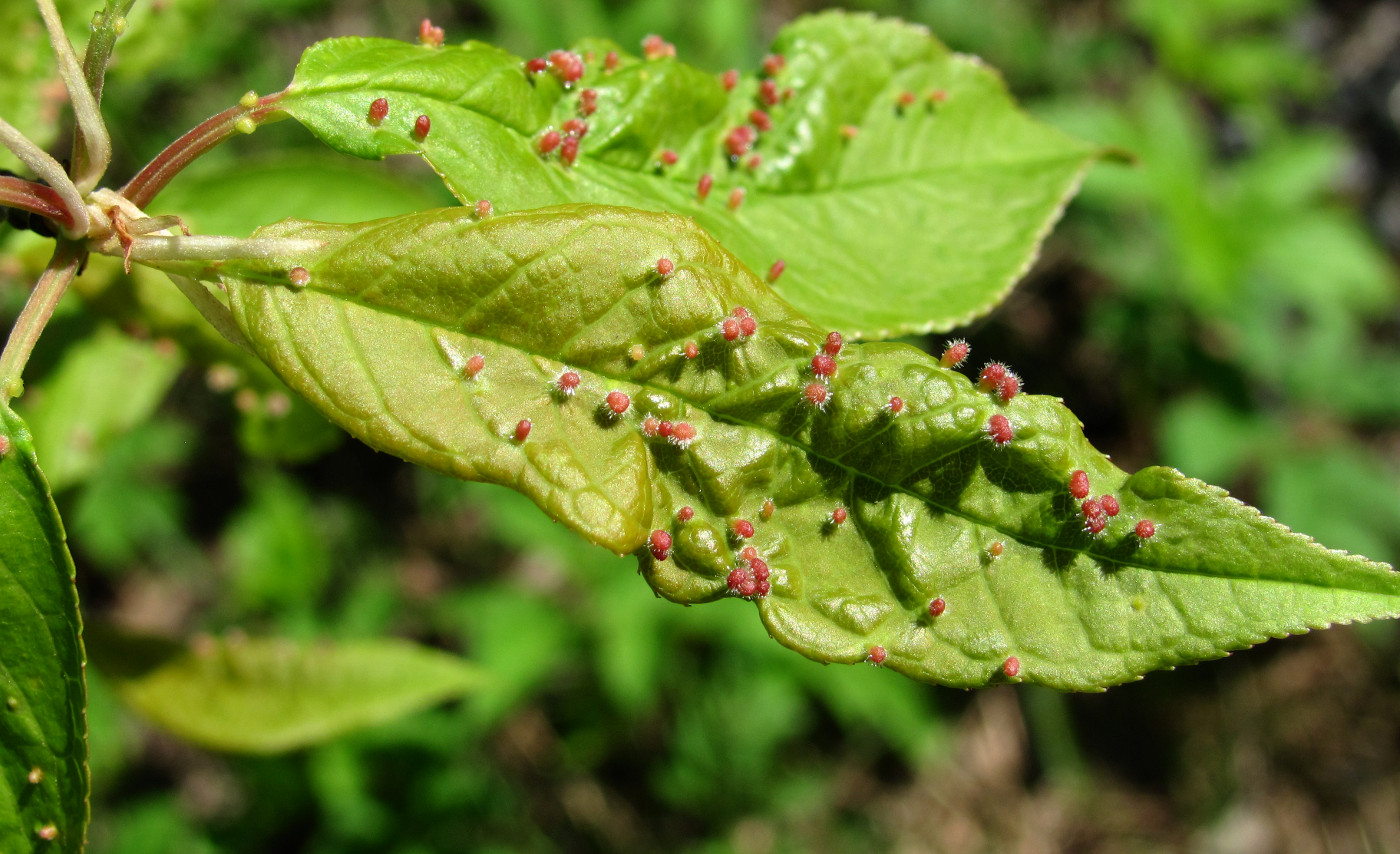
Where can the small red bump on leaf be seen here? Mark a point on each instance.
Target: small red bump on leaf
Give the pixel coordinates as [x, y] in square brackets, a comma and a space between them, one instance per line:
[768, 93]
[668, 157]
[996, 549]
[736, 198]
[740, 311]
[736, 579]
[691, 350]
[767, 512]
[739, 140]
[682, 434]
[637, 352]
[1091, 508]
[475, 363]
[823, 365]
[48, 833]
[895, 406]
[665, 429]
[937, 96]
[618, 402]
[421, 126]
[761, 120]
[753, 162]
[299, 276]
[660, 544]
[1094, 525]
[773, 63]
[1110, 505]
[748, 587]
[537, 65]
[702, 189]
[665, 266]
[761, 573]
[651, 426]
[816, 394]
[378, 110]
[566, 65]
[776, 270]
[576, 127]
[1009, 387]
[1079, 484]
[685, 514]
[1011, 667]
[430, 35]
[838, 516]
[991, 376]
[907, 99]
[833, 344]
[610, 61]
[729, 328]
[937, 607]
[748, 553]
[999, 428]
[729, 80]
[1145, 529]
[548, 141]
[877, 655]
[850, 131]
[522, 430]
[483, 209]
[568, 383]
[655, 47]
[763, 588]
[743, 528]
[747, 326]
[588, 102]
[955, 354]
[568, 150]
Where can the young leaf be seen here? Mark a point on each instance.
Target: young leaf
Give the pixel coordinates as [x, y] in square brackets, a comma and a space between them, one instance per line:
[937, 205]
[271, 696]
[43, 735]
[384, 339]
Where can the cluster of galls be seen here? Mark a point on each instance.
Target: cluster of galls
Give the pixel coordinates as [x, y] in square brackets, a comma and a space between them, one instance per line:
[1097, 511]
[823, 367]
[995, 378]
[749, 580]
[379, 110]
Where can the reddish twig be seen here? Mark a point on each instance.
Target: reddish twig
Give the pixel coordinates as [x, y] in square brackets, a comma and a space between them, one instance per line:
[35, 198]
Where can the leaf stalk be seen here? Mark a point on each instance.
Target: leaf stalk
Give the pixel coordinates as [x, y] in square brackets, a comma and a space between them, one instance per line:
[47, 292]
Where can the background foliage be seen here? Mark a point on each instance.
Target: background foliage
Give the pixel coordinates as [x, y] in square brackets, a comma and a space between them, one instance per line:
[1228, 306]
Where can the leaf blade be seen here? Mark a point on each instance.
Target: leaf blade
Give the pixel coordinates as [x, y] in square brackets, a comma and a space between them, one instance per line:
[958, 193]
[42, 725]
[379, 338]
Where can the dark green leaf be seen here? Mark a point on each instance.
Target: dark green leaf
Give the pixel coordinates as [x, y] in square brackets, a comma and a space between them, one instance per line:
[43, 749]
[395, 309]
[270, 696]
[937, 206]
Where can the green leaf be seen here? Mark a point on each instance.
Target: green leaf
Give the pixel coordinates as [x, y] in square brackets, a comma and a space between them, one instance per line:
[104, 386]
[395, 309]
[936, 207]
[43, 735]
[271, 696]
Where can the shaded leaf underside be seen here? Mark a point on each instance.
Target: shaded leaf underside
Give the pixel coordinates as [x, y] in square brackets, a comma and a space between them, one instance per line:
[937, 206]
[395, 308]
[43, 749]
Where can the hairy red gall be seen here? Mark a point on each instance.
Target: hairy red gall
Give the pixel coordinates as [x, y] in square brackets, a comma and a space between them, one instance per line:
[761, 120]
[430, 35]
[651, 425]
[955, 354]
[568, 383]
[776, 270]
[660, 544]
[833, 345]
[748, 553]
[743, 528]
[566, 65]
[548, 141]
[747, 326]
[937, 607]
[665, 429]
[610, 61]
[761, 573]
[483, 209]
[767, 512]
[895, 406]
[691, 350]
[996, 549]
[538, 65]
[575, 127]
[668, 157]
[823, 365]
[686, 513]
[999, 428]
[753, 162]
[475, 363]
[991, 376]
[768, 93]
[838, 516]
[682, 434]
[739, 140]
[568, 150]
[522, 430]
[588, 102]
[736, 198]
[1011, 667]
[1110, 505]
[817, 395]
[655, 47]
[1145, 529]
[665, 266]
[378, 110]
[618, 402]
[729, 328]
[1009, 387]
[729, 80]
[773, 63]
[1079, 484]
[703, 187]
[4, 446]
[877, 655]
[421, 126]
[299, 276]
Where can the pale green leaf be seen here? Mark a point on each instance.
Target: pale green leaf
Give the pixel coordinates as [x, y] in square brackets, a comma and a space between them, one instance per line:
[105, 385]
[395, 309]
[923, 220]
[271, 696]
[43, 735]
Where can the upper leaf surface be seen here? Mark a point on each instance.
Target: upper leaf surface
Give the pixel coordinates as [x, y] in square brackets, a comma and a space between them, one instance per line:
[43, 734]
[270, 696]
[935, 206]
[381, 338]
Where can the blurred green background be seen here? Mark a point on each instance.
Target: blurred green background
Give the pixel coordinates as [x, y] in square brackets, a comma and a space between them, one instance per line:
[1227, 305]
